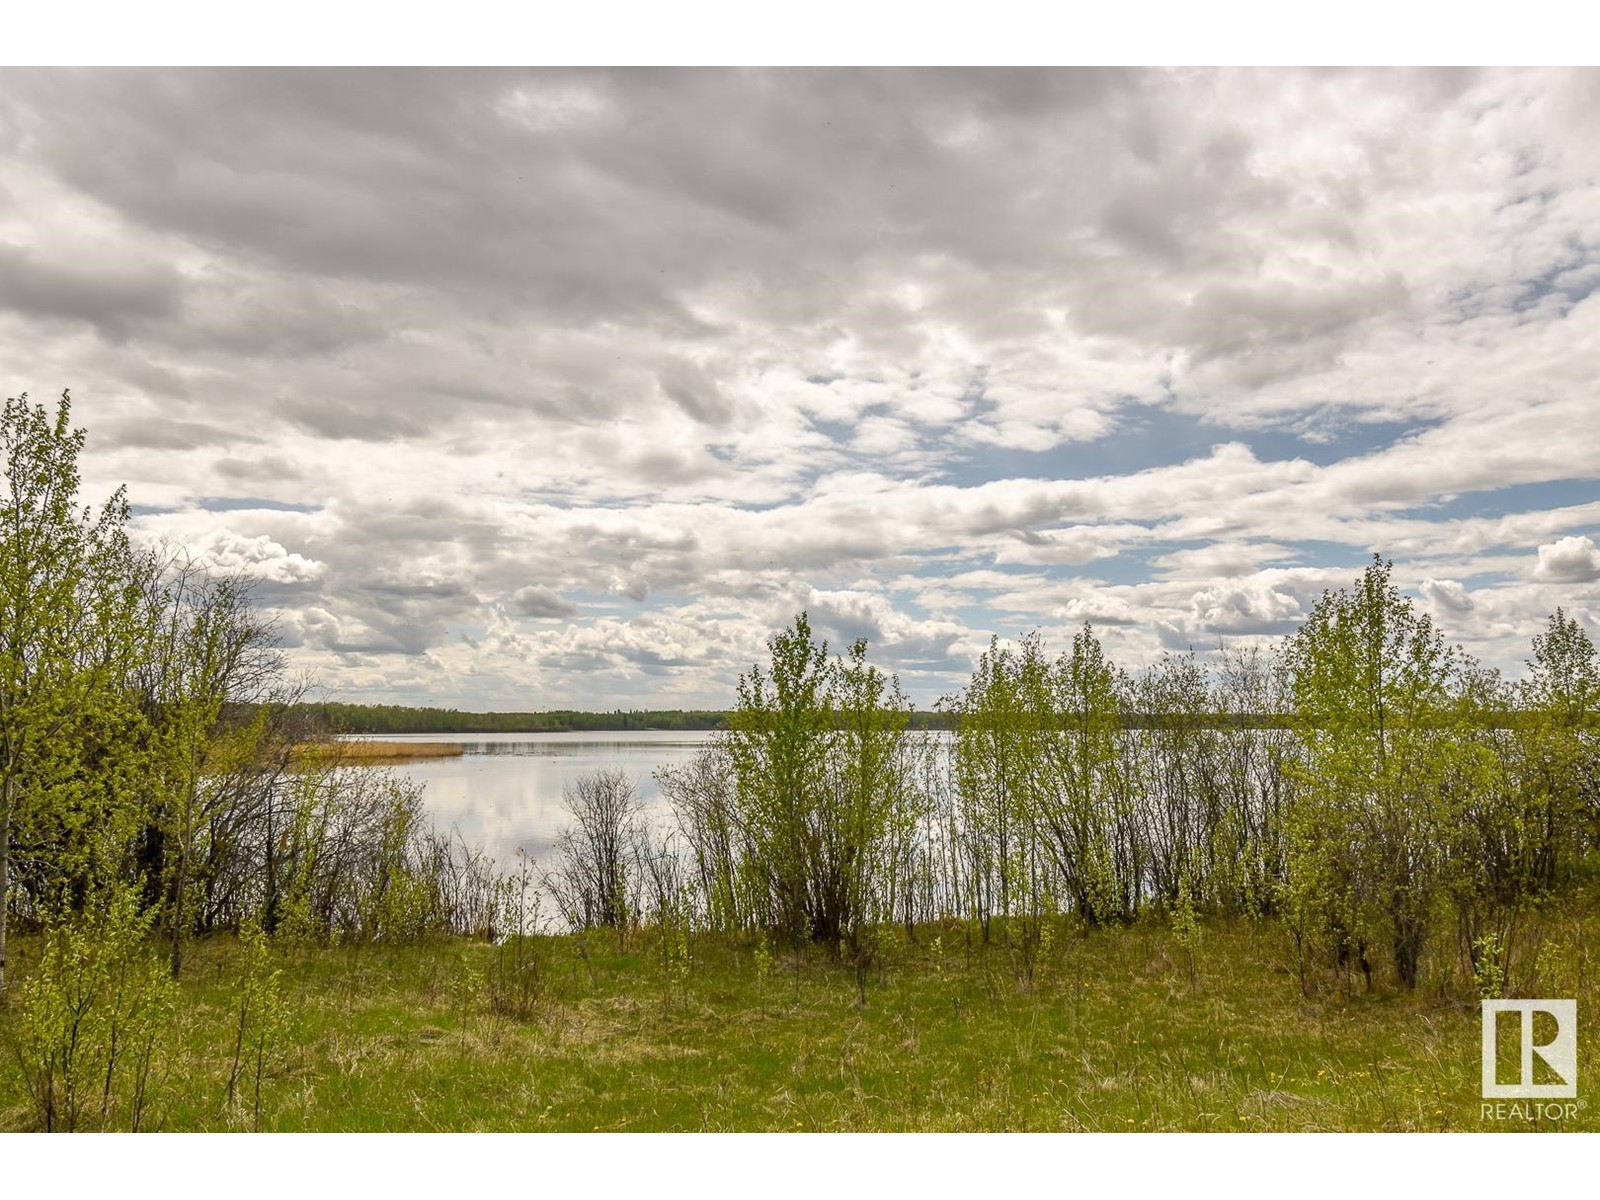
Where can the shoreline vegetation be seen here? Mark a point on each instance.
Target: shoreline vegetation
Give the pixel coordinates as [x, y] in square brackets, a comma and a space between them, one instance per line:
[1261, 890]
[370, 720]
[375, 752]
[378, 719]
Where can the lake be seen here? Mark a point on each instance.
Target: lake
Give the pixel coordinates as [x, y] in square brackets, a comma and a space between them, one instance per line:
[504, 792]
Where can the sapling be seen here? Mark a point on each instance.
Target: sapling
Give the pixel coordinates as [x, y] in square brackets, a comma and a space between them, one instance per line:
[516, 978]
[89, 1021]
[1487, 971]
[262, 1019]
[763, 962]
[1186, 927]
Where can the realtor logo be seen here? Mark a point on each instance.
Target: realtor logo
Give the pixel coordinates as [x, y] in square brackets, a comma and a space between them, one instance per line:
[1559, 1053]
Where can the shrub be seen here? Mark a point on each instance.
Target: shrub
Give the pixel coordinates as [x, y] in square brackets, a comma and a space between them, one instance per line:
[90, 1020]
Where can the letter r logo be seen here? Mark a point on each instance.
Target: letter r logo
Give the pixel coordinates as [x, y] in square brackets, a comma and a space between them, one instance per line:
[1559, 1054]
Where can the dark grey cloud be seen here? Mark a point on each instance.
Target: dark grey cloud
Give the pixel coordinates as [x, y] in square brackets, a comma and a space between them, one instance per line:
[160, 433]
[542, 603]
[268, 469]
[106, 294]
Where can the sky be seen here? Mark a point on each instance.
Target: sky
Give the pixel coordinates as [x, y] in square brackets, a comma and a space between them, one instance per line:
[567, 388]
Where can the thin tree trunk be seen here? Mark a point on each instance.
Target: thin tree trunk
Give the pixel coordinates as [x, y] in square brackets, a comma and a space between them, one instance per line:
[177, 913]
[269, 920]
[6, 797]
[179, 890]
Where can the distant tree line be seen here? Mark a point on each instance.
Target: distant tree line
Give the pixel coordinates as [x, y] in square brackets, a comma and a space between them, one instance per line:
[394, 718]
[339, 718]
[335, 718]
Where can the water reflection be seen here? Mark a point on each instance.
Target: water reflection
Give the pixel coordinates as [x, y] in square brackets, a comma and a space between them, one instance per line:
[504, 791]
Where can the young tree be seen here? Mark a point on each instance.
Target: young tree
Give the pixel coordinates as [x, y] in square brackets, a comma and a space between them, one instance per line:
[992, 765]
[1086, 814]
[1176, 762]
[208, 647]
[872, 802]
[1529, 831]
[1251, 701]
[61, 598]
[1377, 707]
[778, 739]
[823, 787]
[591, 881]
[1564, 674]
[701, 794]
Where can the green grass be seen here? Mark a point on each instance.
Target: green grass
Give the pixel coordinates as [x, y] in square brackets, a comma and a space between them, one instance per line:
[1110, 1035]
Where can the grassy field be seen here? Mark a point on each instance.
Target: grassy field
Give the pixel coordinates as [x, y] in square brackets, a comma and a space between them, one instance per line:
[1111, 1034]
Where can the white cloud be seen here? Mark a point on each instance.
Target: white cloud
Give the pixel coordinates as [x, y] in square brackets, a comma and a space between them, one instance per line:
[1248, 608]
[1447, 595]
[258, 557]
[1568, 560]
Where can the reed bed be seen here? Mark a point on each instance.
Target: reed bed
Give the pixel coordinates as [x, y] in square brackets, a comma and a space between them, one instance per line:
[372, 752]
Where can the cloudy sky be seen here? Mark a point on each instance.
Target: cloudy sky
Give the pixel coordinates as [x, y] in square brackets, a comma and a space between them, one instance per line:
[566, 388]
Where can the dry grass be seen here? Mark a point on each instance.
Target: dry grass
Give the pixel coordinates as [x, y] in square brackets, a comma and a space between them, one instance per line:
[378, 753]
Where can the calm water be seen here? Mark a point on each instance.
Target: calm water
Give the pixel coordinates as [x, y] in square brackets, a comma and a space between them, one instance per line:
[505, 791]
